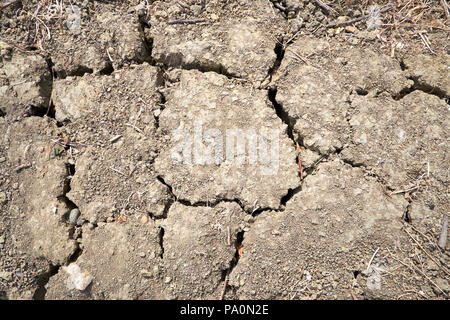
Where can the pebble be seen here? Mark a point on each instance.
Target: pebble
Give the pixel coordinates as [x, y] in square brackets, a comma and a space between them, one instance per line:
[91, 226]
[5, 275]
[73, 216]
[2, 159]
[351, 29]
[144, 219]
[156, 270]
[142, 254]
[2, 239]
[146, 273]
[167, 280]
[3, 198]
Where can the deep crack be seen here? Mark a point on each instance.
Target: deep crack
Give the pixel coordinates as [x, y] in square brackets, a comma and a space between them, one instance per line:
[424, 87]
[42, 280]
[234, 261]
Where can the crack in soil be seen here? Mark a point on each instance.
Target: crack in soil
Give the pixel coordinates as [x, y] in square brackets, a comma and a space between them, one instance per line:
[233, 262]
[424, 87]
[44, 278]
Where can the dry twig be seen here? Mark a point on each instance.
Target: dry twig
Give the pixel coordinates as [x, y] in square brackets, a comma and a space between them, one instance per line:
[324, 6]
[22, 166]
[426, 252]
[371, 259]
[414, 268]
[443, 237]
[225, 284]
[8, 3]
[446, 8]
[186, 21]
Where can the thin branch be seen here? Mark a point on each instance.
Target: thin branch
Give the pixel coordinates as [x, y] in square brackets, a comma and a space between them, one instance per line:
[324, 6]
[446, 8]
[7, 4]
[186, 21]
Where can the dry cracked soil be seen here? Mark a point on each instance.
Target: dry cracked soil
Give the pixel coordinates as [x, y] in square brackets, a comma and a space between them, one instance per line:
[341, 193]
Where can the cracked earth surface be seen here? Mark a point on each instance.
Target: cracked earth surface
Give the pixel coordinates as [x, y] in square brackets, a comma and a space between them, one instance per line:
[354, 210]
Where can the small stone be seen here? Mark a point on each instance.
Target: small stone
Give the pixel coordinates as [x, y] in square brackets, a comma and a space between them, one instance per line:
[5, 275]
[2, 239]
[74, 215]
[78, 279]
[342, 18]
[167, 280]
[3, 198]
[144, 219]
[142, 254]
[91, 226]
[146, 274]
[350, 29]
[156, 270]
[2, 159]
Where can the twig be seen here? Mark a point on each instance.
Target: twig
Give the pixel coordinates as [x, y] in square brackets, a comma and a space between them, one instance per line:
[228, 236]
[371, 259]
[426, 42]
[343, 23]
[225, 284]
[404, 191]
[22, 166]
[421, 233]
[446, 8]
[134, 127]
[186, 21]
[426, 252]
[109, 56]
[279, 6]
[414, 268]
[119, 172]
[114, 139]
[324, 6]
[182, 5]
[8, 3]
[443, 237]
[411, 292]
[127, 203]
[299, 57]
